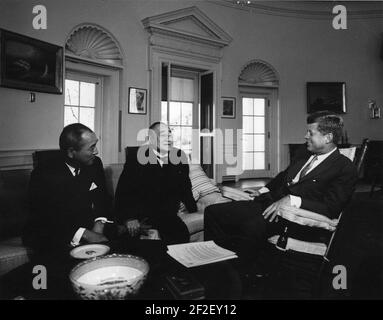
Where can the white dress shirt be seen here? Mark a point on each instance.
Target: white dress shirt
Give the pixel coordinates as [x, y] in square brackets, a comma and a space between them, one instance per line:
[160, 157]
[295, 200]
[79, 233]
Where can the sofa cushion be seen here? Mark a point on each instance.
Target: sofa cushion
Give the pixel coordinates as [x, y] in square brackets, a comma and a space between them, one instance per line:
[209, 199]
[112, 175]
[14, 202]
[12, 254]
[193, 221]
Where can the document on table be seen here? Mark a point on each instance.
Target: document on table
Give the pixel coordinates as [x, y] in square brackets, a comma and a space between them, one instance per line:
[199, 253]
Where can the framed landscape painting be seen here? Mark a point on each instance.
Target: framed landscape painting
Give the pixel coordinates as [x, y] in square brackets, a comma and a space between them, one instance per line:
[30, 64]
[329, 96]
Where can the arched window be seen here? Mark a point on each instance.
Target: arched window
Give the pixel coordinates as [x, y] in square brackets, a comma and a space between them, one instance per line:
[258, 73]
[94, 43]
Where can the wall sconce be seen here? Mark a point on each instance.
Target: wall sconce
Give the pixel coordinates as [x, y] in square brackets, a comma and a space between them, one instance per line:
[374, 110]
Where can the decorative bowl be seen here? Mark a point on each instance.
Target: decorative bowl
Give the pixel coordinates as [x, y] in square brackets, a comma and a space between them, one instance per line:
[111, 277]
[89, 251]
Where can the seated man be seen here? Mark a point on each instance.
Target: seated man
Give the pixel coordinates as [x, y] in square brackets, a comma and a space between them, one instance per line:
[154, 181]
[323, 183]
[68, 197]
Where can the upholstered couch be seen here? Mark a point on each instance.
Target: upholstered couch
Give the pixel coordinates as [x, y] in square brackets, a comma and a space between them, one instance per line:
[14, 209]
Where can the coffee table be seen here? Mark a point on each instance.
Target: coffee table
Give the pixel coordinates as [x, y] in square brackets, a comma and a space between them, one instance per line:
[220, 280]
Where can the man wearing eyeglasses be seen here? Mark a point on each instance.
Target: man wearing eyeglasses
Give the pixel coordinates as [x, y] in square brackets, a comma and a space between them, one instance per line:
[154, 181]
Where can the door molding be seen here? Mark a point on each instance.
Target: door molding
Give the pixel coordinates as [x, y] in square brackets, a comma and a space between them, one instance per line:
[274, 120]
[189, 38]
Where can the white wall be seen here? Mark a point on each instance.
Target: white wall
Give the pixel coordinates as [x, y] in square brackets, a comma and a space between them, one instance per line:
[301, 50]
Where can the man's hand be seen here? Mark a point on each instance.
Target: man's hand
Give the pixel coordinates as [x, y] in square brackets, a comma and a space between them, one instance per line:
[272, 211]
[136, 227]
[133, 227]
[98, 227]
[252, 193]
[93, 237]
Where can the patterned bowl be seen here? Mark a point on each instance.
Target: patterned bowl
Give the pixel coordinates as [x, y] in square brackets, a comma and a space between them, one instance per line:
[115, 276]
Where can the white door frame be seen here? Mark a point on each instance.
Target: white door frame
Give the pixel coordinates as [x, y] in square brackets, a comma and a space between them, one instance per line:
[109, 119]
[156, 58]
[273, 113]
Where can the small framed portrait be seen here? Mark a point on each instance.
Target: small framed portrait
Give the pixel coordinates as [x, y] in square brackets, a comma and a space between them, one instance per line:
[137, 100]
[228, 107]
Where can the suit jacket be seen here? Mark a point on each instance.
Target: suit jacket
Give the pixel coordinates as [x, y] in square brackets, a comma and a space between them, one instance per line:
[325, 190]
[61, 203]
[149, 190]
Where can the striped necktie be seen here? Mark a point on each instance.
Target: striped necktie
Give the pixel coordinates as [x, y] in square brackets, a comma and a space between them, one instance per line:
[307, 167]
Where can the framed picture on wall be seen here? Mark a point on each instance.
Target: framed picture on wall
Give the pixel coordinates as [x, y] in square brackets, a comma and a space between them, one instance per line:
[30, 64]
[137, 100]
[329, 96]
[228, 107]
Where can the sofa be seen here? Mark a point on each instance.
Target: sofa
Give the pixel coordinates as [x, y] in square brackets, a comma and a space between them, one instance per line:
[14, 209]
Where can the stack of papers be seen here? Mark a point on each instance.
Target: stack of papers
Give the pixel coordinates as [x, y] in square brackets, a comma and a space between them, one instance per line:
[199, 253]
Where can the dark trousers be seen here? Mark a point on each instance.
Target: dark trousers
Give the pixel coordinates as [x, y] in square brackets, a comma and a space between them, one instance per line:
[239, 226]
[171, 228]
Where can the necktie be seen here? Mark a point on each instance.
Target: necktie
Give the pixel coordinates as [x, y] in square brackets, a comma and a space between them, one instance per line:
[76, 171]
[307, 167]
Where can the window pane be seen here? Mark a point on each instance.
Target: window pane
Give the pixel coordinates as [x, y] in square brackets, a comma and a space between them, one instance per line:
[164, 111]
[87, 117]
[176, 131]
[187, 114]
[181, 89]
[174, 113]
[247, 106]
[71, 92]
[87, 94]
[259, 107]
[70, 115]
[259, 161]
[248, 143]
[247, 124]
[259, 125]
[248, 161]
[259, 142]
[186, 142]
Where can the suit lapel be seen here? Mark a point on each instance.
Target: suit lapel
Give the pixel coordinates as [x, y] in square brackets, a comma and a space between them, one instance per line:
[323, 166]
[293, 171]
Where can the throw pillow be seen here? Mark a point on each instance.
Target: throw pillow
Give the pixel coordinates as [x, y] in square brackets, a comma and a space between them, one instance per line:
[201, 184]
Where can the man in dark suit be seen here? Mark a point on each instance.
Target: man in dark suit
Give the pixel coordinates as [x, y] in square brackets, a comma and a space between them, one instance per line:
[154, 181]
[323, 183]
[69, 203]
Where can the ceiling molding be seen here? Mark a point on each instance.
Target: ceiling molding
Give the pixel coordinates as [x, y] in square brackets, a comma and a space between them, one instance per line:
[316, 10]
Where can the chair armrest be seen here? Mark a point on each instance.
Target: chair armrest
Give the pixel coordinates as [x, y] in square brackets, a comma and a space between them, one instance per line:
[307, 218]
[235, 194]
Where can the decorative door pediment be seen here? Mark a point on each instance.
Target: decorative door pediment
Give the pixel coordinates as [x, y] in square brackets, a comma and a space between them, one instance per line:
[188, 30]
